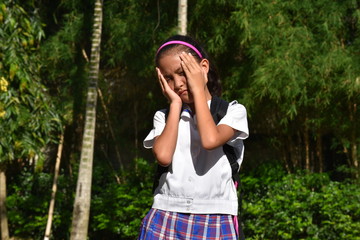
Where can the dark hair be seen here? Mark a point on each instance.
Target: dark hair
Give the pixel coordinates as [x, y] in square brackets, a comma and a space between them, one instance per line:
[213, 84]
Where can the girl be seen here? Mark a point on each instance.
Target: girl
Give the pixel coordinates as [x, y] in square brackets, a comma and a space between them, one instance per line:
[196, 198]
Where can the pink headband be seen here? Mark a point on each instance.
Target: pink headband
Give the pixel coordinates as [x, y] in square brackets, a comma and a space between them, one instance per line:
[181, 43]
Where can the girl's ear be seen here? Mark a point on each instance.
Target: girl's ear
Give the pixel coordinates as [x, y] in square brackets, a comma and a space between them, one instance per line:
[204, 63]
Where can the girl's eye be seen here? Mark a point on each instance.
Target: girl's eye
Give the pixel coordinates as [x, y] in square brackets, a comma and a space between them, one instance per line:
[181, 73]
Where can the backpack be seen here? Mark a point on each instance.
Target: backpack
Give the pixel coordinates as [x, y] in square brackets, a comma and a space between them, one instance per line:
[218, 109]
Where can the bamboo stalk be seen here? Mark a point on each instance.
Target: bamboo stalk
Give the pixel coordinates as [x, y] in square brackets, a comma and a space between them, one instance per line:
[54, 189]
[4, 221]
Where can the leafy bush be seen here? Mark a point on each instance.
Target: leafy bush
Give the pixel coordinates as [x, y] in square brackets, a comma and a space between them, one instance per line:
[276, 205]
[300, 206]
[28, 204]
[119, 208]
[116, 210]
[27, 211]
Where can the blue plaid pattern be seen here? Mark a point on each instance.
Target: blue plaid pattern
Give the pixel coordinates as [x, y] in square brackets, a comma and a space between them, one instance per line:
[164, 225]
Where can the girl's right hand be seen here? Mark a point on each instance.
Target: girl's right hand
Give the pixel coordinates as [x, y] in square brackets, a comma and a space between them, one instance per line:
[167, 91]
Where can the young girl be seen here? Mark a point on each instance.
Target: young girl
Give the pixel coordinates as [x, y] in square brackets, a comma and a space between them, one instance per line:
[196, 198]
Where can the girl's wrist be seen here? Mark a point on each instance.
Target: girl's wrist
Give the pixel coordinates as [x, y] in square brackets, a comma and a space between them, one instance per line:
[176, 104]
[198, 93]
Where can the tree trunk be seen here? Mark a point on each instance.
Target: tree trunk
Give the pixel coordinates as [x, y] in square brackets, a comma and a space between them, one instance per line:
[182, 17]
[353, 142]
[289, 165]
[319, 152]
[136, 131]
[54, 189]
[307, 148]
[3, 214]
[81, 211]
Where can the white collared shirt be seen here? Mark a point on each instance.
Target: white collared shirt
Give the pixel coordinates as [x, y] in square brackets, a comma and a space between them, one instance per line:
[199, 181]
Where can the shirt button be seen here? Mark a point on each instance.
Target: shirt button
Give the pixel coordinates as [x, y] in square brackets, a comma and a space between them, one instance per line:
[188, 201]
[189, 179]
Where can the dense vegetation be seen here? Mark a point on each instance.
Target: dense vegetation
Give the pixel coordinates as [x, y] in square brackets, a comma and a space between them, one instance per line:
[275, 205]
[293, 64]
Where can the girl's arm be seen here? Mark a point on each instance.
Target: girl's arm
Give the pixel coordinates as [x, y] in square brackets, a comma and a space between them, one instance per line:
[211, 135]
[165, 143]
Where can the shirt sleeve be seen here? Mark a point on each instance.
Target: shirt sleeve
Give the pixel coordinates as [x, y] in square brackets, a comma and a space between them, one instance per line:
[236, 117]
[158, 127]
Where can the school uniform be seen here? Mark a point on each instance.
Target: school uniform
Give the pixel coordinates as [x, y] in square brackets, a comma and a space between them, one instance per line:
[196, 198]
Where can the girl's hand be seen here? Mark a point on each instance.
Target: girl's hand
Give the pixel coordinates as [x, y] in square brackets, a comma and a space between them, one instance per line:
[167, 91]
[195, 73]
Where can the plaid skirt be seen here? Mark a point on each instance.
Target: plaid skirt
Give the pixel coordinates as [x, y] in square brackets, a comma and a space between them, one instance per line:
[159, 224]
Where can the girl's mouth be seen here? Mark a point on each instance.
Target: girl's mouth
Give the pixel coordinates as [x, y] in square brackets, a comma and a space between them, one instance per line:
[182, 92]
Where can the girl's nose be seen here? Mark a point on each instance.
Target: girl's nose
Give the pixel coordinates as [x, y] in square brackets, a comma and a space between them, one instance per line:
[178, 82]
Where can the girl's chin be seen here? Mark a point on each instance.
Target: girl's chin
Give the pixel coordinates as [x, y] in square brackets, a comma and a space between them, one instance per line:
[186, 99]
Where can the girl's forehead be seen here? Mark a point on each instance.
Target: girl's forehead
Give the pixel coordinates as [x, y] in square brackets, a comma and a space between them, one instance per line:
[175, 49]
[170, 63]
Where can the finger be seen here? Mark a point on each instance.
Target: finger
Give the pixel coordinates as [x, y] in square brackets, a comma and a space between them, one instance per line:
[164, 83]
[190, 62]
[185, 67]
[159, 76]
[160, 79]
[192, 59]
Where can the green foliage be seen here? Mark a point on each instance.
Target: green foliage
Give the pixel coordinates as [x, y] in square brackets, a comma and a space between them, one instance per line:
[116, 209]
[119, 208]
[293, 64]
[276, 205]
[28, 202]
[299, 56]
[27, 115]
[300, 206]
[27, 211]
[65, 53]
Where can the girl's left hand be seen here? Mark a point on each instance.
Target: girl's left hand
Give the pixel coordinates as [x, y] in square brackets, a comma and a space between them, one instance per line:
[195, 73]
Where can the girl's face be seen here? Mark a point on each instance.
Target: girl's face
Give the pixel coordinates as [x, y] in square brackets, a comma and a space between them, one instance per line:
[170, 67]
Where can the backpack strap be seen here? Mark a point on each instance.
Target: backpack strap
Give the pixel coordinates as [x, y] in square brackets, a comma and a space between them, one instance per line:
[218, 109]
[159, 171]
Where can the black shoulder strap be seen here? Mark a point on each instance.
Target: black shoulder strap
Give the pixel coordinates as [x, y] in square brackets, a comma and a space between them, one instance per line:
[218, 108]
[159, 171]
